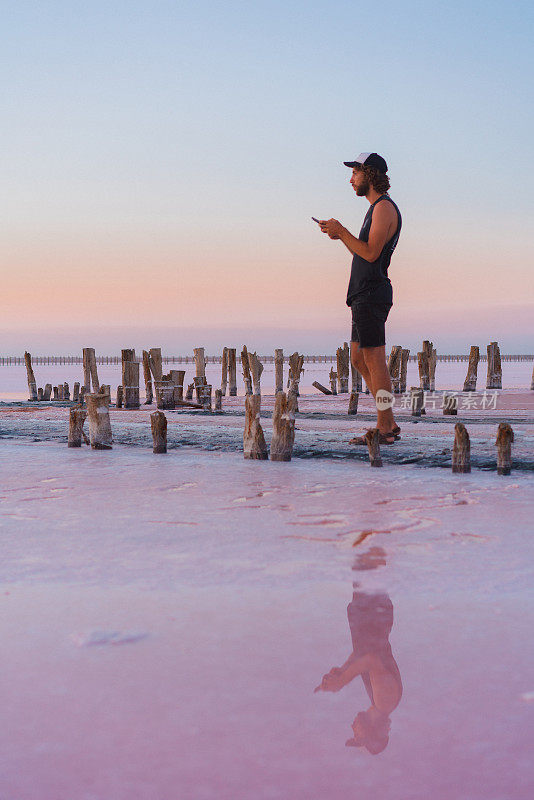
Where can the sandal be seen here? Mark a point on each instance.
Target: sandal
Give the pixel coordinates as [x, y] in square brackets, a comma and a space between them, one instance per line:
[383, 438]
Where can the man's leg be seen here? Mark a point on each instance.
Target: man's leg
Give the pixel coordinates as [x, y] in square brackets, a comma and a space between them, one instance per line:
[375, 361]
[358, 362]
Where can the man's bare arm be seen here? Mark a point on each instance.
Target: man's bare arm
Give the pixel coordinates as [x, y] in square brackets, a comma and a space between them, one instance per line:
[383, 226]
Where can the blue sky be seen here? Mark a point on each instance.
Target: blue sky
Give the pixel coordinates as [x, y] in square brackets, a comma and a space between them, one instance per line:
[208, 133]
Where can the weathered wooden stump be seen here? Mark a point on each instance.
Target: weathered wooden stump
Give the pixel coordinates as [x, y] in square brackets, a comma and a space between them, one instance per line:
[356, 377]
[77, 417]
[147, 376]
[82, 395]
[158, 425]
[373, 445]
[189, 392]
[76, 392]
[394, 367]
[200, 362]
[120, 397]
[283, 428]
[404, 370]
[426, 360]
[61, 391]
[333, 381]
[461, 451]
[56, 393]
[296, 364]
[199, 381]
[205, 396]
[256, 368]
[105, 389]
[505, 437]
[532, 379]
[353, 403]
[232, 372]
[32, 385]
[450, 403]
[321, 388]
[224, 370]
[494, 378]
[342, 359]
[90, 374]
[66, 391]
[47, 391]
[245, 365]
[253, 439]
[278, 370]
[218, 399]
[130, 384]
[470, 383]
[165, 398]
[416, 401]
[40, 393]
[155, 361]
[177, 380]
[99, 422]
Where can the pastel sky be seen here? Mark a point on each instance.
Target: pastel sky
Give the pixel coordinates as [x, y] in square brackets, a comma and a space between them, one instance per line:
[162, 160]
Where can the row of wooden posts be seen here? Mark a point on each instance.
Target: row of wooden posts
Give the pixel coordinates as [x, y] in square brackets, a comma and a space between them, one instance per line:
[254, 444]
[169, 388]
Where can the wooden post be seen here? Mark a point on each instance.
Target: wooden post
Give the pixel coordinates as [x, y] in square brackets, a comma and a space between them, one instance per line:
[432, 361]
[224, 372]
[353, 402]
[66, 391]
[130, 383]
[218, 399]
[333, 380]
[90, 374]
[149, 394]
[120, 396]
[342, 370]
[177, 378]
[60, 391]
[155, 361]
[427, 365]
[47, 392]
[76, 392]
[505, 437]
[77, 417]
[279, 371]
[494, 378]
[296, 363]
[321, 388]
[99, 423]
[461, 451]
[450, 403]
[256, 368]
[532, 379]
[82, 395]
[165, 398]
[39, 393]
[199, 381]
[283, 428]
[246, 370]
[189, 392]
[253, 439]
[394, 367]
[416, 401]
[232, 372]
[158, 425]
[373, 445]
[205, 396]
[404, 370]
[470, 383]
[200, 362]
[32, 385]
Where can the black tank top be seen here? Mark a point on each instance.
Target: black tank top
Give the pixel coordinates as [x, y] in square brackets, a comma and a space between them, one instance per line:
[369, 279]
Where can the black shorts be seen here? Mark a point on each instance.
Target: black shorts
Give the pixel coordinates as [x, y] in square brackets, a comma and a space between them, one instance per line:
[369, 323]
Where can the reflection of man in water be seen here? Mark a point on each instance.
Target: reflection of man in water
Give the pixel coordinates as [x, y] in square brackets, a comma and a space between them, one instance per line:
[370, 620]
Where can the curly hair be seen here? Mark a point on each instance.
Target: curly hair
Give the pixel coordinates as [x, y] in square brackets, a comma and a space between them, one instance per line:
[378, 180]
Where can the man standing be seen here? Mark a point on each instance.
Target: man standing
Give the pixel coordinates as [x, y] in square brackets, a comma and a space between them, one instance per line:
[370, 294]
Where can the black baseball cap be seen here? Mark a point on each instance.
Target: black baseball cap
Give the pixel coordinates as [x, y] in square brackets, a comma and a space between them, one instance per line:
[369, 160]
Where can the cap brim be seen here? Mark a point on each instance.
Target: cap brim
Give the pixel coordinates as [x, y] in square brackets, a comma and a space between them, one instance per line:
[352, 163]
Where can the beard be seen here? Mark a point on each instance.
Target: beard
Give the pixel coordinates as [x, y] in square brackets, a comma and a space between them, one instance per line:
[363, 188]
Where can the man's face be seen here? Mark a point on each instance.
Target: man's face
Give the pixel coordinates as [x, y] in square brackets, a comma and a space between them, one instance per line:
[359, 182]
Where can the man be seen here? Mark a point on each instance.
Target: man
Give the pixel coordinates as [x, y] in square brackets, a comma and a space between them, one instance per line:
[370, 294]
